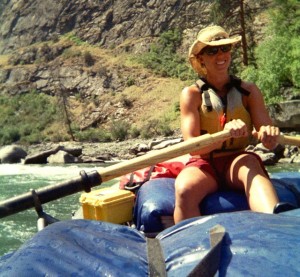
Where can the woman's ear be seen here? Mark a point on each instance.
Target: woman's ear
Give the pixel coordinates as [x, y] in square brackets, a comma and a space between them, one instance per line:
[201, 61]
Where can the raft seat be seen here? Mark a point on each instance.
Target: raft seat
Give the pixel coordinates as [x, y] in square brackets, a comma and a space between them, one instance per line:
[155, 201]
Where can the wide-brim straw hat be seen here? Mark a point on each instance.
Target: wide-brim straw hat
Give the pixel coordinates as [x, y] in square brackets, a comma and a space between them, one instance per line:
[209, 36]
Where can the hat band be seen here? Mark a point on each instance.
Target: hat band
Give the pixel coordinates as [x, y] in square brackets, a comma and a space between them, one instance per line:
[217, 38]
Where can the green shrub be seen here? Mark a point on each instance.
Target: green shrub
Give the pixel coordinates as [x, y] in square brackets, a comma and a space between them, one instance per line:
[163, 59]
[134, 132]
[277, 58]
[9, 135]
[88, 58]
[24, 117]
[155, 127]
[177, 107]
[34, 138]
[130, 81]
[72, 37]
[93, 135]
[119, 130]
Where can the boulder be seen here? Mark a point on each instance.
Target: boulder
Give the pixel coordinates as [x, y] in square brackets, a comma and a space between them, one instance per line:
[88, 159]
[74, 151]
[41, 157]
[296, 159]
[12, 154]
[61, 157]
[286, 115]
[138, 148]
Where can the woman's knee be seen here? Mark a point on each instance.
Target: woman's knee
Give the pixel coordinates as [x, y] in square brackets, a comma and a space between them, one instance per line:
[194, 183]
[243, 169]
[249, 160]
[246, 163]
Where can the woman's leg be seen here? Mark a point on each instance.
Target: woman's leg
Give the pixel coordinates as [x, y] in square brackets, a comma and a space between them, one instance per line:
[191, 186]
[246, 173]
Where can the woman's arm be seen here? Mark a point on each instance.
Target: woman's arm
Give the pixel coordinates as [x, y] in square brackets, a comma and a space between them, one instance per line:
[266, 132]
[190, 102]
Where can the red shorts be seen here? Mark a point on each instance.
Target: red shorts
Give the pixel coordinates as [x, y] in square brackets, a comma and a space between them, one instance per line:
[218, 166]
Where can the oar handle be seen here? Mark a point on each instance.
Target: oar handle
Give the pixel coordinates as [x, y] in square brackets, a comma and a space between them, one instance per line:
[289, 140]
[49, 193]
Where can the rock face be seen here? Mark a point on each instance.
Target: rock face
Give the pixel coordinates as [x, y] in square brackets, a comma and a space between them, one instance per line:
[103, 22]
[286, 115]
[118, 25]
[115, 24]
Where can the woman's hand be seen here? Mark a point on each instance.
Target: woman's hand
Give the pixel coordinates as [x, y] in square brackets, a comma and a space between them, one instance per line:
[268, 135]
[237, 128]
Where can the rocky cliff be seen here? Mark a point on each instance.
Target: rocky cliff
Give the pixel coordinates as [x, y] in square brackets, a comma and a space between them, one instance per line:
[107, 23]
[34, 35]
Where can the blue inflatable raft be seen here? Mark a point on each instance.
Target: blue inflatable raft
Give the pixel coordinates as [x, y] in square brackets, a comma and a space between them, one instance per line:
[240, 243]
[155, 201]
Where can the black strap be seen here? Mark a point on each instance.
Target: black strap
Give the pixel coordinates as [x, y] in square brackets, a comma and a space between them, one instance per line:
[209, 265]
[131, 185]
[234, 82]
[237, 82]
[157, 267]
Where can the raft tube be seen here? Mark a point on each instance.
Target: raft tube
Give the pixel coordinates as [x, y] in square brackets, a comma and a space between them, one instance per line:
[254, 244]
[156, 200]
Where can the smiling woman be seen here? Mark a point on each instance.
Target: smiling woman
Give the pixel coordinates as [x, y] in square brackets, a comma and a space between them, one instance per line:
[219, 101]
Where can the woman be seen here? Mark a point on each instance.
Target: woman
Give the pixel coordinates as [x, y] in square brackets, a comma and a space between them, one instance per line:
[219, 101]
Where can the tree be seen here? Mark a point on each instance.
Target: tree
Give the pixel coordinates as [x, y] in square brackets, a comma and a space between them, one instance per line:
[285, 27]
[277, 57]
[236, 15]
[63, 95]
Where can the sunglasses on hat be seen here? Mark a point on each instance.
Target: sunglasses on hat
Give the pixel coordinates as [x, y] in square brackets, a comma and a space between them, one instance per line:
[213, 50]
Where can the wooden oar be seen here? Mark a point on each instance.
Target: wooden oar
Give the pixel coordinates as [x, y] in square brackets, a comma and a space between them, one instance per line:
[87, 181]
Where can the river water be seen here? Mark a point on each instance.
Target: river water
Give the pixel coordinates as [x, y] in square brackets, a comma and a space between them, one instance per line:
[18, 179]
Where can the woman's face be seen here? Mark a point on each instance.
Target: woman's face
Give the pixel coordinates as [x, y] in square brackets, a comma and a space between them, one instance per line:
[216, 59]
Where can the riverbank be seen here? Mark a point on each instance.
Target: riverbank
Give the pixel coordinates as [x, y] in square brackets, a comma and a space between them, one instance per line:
[122, 150]
[87, 152]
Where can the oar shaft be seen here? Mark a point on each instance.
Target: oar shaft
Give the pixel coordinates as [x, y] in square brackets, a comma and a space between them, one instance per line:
[155, 157]
[289, 140]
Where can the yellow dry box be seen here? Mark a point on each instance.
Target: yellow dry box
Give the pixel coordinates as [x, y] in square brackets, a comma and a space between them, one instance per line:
[108, 204]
